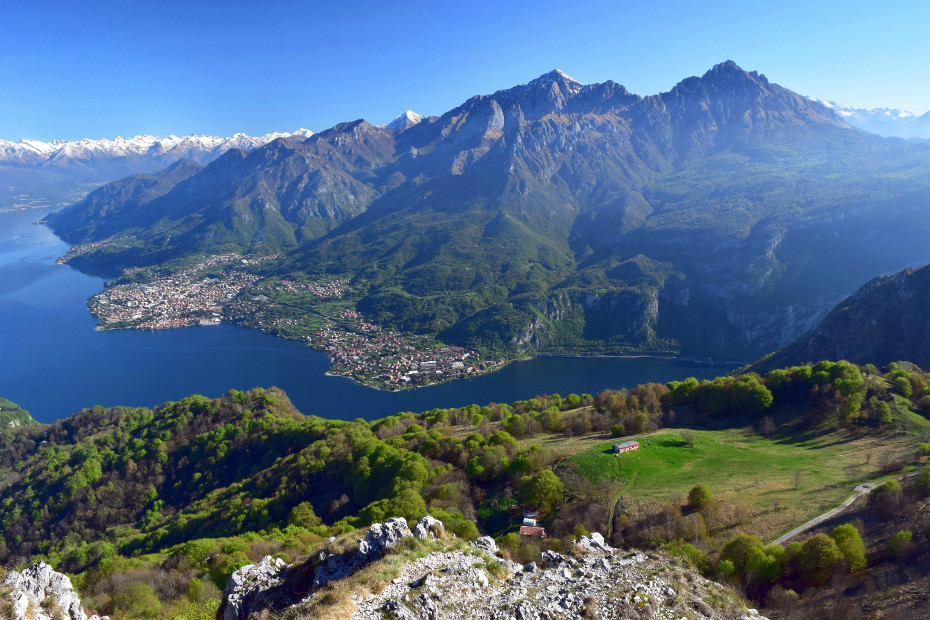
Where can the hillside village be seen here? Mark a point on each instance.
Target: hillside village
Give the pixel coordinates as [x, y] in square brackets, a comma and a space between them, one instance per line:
[215, 289]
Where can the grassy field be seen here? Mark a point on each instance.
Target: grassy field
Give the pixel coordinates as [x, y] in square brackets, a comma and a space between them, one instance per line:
[781, 482]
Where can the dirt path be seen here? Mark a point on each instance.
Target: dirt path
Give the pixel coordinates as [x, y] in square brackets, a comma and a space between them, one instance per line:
[859, 491]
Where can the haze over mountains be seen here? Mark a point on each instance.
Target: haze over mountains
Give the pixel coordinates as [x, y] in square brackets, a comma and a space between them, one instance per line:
[884, 321]
[887, 122]
[724, 217]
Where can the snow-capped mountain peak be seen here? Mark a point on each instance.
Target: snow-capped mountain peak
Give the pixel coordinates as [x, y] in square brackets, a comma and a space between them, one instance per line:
[161, 150]
[404, 121]
[883, 121]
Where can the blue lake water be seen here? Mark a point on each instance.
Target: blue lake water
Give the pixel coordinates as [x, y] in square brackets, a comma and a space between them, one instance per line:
[53, 362]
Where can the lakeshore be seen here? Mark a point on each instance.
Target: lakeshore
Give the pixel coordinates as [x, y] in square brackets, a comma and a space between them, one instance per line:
[60, 364]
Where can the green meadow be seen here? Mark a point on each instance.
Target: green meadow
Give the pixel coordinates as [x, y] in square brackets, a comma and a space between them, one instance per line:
[781, 482]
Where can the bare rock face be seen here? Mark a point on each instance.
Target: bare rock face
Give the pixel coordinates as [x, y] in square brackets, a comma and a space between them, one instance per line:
[250, 584]
[38, 585]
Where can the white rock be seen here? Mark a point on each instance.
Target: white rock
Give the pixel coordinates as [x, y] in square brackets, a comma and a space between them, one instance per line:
[487, 544]
[38, 582]
[426, 526]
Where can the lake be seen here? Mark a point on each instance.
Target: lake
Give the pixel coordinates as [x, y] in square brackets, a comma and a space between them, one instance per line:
[55, 363]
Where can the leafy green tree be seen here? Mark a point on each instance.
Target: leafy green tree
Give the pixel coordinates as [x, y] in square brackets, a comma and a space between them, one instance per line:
[763, 568]
[700, 496]
[850, 545]
[302, 515]
[902, 386]
[726, 567]
[740, 549]
[820, 556]
[544, 490]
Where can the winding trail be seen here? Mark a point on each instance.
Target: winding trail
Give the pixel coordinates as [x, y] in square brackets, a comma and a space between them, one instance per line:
[859, 491]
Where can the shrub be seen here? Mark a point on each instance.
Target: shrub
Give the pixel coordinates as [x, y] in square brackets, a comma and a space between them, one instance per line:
[739, 550]
[699, 496]
[819, 557]
[850, 545]
[302, 515]
[900, 544]
[135, 599]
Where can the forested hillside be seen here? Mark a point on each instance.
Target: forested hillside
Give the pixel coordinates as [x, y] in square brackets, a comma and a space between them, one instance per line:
[155, 505]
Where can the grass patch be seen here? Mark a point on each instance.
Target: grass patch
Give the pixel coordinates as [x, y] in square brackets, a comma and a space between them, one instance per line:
[782, 482]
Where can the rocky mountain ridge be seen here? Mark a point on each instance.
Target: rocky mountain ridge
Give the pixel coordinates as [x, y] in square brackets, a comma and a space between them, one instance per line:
[594, 580]
[719, 203]
[884, 321]
[34, 173]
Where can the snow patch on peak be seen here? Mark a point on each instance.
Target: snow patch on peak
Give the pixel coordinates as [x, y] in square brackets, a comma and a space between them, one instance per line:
[166, 149]
[404, 121]
[882, 121]
[556, 75]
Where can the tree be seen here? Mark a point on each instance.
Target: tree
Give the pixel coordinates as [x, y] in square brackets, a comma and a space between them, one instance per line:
[544, 490]
[699, 496]
[819, 557]
[850, 545]
[740, 549]
[687, 438]
[900, 544]
[302, 515]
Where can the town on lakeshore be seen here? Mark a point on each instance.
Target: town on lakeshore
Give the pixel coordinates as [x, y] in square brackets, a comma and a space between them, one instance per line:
[223, 288]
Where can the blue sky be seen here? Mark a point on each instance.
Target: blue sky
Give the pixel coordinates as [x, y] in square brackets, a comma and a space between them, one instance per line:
[103, 68]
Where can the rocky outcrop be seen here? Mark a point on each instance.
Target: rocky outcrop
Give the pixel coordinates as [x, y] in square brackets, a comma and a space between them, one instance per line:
[250, 585]
[40, 593]
[486, 544]
[591, 580]
[593, 542]
[595, 581]
[428, 526]
[271, 584]
[380, 538]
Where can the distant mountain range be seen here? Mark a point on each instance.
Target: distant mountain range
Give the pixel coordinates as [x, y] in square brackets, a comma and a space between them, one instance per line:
[33, 171]
[886, 122]
[884, 321]
[724, 217]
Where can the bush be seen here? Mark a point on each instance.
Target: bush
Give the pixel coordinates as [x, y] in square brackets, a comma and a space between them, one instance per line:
[302, 515]
[135, 599]
[699, 496]
[850, 545]
[900, 544]
[922, 484]
[225, 565]
[819, 557]
[739, 550]
[726, 567]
